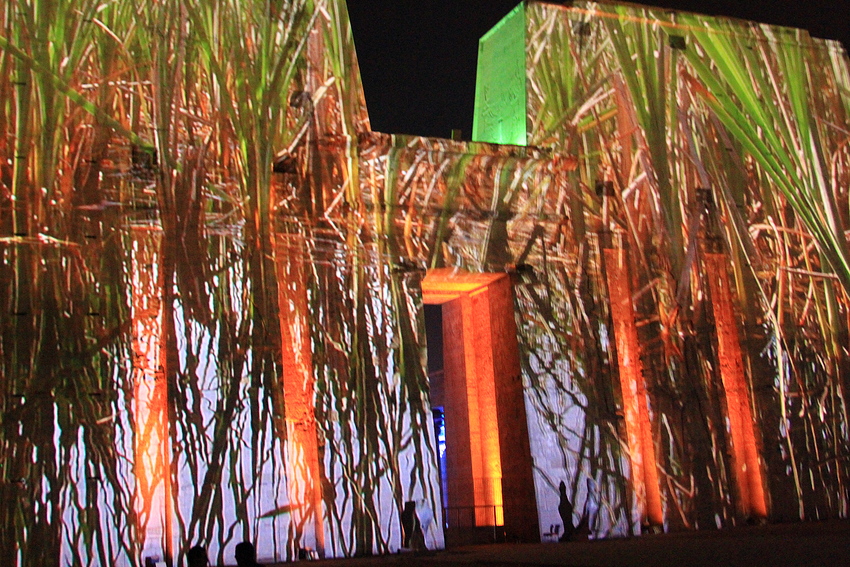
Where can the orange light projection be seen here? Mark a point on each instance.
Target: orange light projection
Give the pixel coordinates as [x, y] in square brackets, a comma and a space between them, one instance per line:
[153, 491]
[470, 391]
[303, 473]
[745, 456]
[481, 391]
[638, 429]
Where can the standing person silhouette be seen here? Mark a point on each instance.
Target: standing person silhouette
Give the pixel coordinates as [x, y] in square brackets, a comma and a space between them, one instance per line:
[565, 509]
[246, 555]
[412, 527]
[197, 557]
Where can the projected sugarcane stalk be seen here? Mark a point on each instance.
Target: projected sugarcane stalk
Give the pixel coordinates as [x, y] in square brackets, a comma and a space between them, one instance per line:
[153, 492]
[740, 429]
[633, 386]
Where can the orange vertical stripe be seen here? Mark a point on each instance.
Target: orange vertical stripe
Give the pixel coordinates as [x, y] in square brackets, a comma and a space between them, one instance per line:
[461, 487]
[302, 452]
[635, 408]
[489, 484]
[748, 472]
[152, 459]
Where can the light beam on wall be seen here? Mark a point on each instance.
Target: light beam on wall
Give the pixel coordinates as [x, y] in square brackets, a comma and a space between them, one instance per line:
[152, 456]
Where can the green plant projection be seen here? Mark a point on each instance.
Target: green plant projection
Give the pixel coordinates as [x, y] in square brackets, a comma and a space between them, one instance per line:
[212, 272]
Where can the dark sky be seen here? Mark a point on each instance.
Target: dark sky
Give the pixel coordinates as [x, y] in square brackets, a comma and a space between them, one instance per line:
[418, 57]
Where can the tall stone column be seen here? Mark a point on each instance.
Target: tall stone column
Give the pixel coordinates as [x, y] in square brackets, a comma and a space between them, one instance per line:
[517, 467]
[741, 429]
[488, 455]
[644, 468]
[463, 448]
[303, 471]
[152, 452]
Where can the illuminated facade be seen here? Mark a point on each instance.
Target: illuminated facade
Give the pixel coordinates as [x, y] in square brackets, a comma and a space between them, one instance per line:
[645, 296]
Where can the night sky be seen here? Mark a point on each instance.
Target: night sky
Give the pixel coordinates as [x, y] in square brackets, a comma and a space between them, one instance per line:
[418, 57]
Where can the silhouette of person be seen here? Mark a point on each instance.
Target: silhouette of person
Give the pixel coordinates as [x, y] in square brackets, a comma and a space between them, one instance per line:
[565, 509]
[413, 536]
[197, 557]
[246, 555]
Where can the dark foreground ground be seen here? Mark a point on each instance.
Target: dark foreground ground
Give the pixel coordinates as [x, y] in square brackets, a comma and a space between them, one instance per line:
[812, 543]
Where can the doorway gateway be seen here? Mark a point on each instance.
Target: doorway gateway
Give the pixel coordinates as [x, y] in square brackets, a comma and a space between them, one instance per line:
[488, 468]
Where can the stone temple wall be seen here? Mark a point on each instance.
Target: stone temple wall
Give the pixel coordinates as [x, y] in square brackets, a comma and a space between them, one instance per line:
[198, 347]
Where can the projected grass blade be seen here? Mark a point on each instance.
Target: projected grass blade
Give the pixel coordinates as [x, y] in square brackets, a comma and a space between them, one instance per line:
[784, 138]
[253, 90]
[645, 64]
